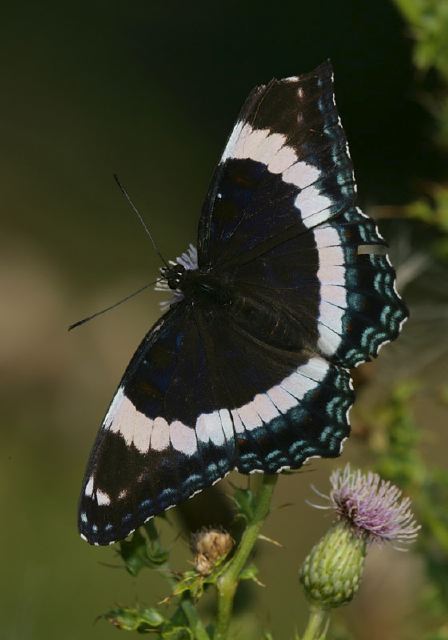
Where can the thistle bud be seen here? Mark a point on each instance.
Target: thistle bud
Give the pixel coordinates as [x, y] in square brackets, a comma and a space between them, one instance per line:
[332, 571]
[209, 547]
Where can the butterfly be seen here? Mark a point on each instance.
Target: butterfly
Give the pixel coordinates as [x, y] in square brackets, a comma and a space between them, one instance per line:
[248, 368]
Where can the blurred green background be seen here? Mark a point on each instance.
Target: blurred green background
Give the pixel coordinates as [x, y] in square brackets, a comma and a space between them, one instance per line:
[150, 90]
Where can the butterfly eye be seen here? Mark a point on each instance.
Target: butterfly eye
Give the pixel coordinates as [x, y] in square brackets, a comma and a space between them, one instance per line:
[173, 275]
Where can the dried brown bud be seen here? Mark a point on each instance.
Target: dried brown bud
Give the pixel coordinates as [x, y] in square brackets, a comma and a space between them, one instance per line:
[209, 546]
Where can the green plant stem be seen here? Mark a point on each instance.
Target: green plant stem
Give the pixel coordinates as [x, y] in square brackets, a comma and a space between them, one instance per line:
[228, 582]
[317, 626]
[190, 611]
[196, 625]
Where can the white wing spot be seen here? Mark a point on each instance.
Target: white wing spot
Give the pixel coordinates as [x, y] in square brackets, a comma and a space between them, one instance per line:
[183, 438]
[102, 498]
[281, 398]
[160, 436]
[88, 491]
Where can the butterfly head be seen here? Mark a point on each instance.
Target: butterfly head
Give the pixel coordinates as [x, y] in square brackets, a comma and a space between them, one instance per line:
[195, 284]
[173, 275]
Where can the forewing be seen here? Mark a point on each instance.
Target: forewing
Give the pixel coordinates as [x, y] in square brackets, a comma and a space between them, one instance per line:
[147, 457]
[285, 166]
[280, 218]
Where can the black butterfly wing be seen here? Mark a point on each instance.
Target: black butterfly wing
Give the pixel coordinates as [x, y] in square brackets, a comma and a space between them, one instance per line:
[285, 166]
[146, 457]
[280, 216]
[287, 404]
[203, 396]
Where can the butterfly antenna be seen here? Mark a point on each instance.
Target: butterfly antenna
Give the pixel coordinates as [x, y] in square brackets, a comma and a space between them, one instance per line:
[140, 217]
[112, 306]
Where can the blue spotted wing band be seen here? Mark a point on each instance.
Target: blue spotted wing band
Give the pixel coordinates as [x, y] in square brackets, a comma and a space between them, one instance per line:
[249, 367]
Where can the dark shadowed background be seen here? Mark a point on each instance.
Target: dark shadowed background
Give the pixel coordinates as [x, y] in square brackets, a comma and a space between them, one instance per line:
[150, 90]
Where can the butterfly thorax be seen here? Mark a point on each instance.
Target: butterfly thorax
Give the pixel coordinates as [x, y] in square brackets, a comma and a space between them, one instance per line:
[203, 286]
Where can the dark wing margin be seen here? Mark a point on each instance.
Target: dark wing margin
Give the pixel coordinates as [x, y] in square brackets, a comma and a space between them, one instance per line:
[360, 309]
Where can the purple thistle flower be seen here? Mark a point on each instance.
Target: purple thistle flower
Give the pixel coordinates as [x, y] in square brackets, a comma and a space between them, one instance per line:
[374, 508]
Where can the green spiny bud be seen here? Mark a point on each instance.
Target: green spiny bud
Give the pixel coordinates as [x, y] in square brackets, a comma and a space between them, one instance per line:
[332, 571]
[141, 619]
